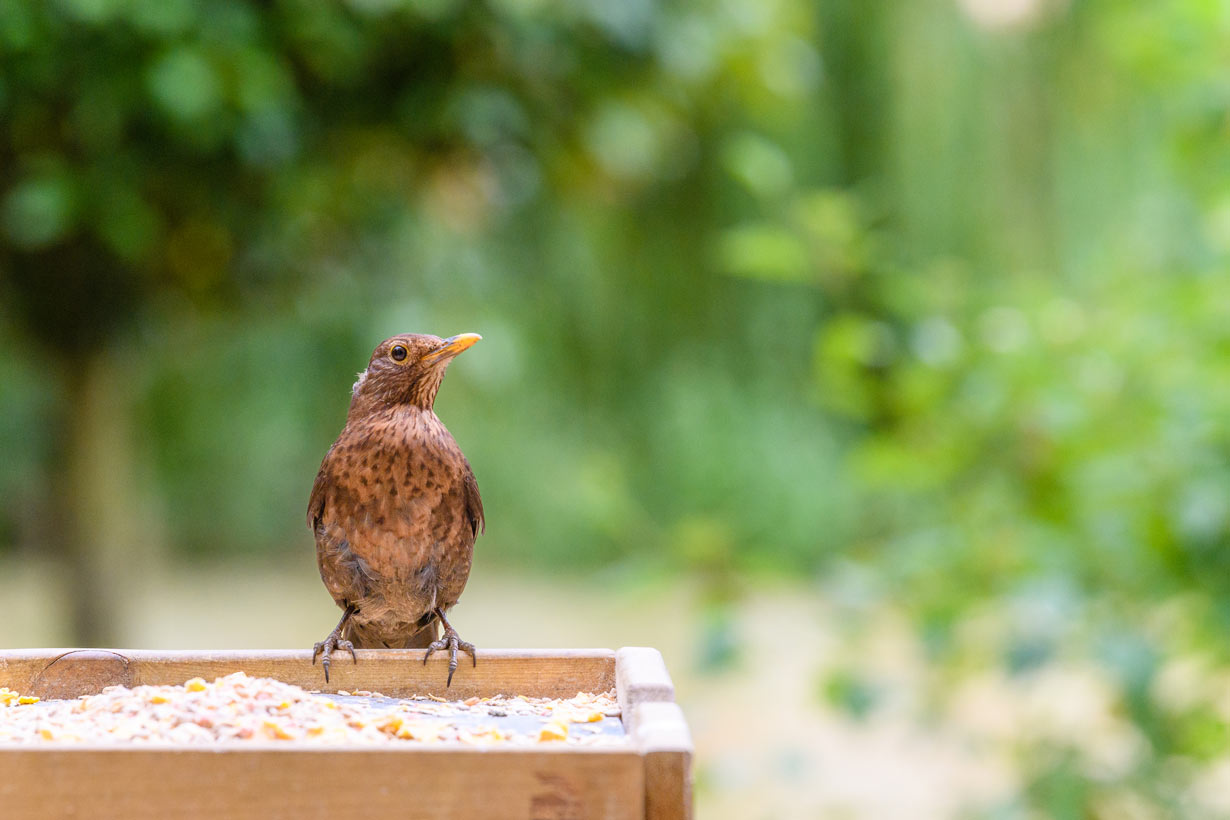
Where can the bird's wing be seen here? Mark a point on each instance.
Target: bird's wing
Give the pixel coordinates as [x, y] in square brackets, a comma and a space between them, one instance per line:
[343, 571]
[474, 503]
[316, 502]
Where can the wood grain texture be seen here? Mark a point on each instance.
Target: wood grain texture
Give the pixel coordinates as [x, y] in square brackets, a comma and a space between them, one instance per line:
[393, 672]
[662, 736]
[247, 784]
[650, 778]
[657, 727]
[77, 672]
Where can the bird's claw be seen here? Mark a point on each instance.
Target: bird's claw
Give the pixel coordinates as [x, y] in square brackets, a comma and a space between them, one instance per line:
[326, 648]
[452, 642]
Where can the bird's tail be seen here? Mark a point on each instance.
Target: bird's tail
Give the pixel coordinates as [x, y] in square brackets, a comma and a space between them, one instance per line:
[364, 636]
[423, 638]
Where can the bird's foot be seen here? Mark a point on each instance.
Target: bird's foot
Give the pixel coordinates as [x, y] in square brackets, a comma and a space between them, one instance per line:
[326, 648]
[452, 642]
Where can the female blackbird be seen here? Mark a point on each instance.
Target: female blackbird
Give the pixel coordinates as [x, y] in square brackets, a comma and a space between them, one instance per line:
[395, 507]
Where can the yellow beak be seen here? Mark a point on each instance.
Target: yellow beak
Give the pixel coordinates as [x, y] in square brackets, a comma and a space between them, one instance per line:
[451, 347]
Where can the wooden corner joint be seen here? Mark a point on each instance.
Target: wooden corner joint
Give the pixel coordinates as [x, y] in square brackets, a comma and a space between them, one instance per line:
[661, 727]
[640, 677]
[663, 740]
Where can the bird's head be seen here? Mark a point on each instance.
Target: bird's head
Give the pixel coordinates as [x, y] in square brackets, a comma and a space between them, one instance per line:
[406, 369]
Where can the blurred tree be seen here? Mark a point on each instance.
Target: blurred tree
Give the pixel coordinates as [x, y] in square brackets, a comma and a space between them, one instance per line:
[180, 159]
[930, 293]
[168, 168]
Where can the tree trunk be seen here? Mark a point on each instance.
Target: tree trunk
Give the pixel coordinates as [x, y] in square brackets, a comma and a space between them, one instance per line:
[108, 543]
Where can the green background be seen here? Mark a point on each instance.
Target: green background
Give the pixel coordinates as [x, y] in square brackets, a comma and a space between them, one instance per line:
[913, 313]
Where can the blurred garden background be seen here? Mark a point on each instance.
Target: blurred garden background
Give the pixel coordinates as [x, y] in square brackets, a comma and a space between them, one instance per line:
[870, 358]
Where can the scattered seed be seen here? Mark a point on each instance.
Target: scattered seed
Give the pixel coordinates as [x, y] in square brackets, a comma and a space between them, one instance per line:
[237, 709]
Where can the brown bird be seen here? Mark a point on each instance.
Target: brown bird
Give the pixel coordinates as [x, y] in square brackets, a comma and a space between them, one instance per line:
[395, 508]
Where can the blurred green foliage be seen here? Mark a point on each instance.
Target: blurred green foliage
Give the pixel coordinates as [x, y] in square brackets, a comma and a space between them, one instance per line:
[928, 299]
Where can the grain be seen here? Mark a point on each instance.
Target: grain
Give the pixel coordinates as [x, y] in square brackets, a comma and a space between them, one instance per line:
[242, 709]
[10, 698]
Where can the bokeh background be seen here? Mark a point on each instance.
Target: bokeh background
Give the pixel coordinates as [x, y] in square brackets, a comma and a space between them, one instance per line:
[870, 358]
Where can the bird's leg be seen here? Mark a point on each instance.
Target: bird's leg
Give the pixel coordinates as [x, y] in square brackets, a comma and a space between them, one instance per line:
[452, 642]
[335, 641]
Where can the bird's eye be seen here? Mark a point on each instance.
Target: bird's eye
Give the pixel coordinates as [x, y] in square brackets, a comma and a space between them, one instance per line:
[399, 353]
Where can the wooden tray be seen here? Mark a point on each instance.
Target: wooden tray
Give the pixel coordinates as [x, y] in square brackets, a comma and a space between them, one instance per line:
[649, 777]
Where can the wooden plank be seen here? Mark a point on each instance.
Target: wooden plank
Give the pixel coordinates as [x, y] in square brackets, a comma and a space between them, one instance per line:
[657, 726]
[662, 736]
[135, 784]
[651, 780]
[19, 666]
[393, 672]
[640, 677]
[73, 673]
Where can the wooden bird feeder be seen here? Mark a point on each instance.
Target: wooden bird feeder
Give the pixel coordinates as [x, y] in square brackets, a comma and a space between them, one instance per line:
[645, 775]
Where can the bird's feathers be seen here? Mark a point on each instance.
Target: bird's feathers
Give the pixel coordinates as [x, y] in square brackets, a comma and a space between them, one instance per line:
[395, 509]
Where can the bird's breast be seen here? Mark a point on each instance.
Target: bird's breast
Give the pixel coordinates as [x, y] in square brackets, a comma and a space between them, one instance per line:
[396, 489]
[393, 536]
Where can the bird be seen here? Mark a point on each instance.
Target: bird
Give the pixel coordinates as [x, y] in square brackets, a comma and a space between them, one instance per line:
[395, 508]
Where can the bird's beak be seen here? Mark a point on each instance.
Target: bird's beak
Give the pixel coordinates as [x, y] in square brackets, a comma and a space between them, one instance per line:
[451, 347]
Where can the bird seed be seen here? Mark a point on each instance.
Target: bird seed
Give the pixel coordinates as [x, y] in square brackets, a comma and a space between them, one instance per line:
[241, 709]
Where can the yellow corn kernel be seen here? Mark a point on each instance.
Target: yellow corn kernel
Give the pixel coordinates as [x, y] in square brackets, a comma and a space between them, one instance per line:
[275, 731]
[567, 714]
[418, 731]
[553, 731]
[195, 685]
[24, 699]
[158, 699]
[484, 734]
